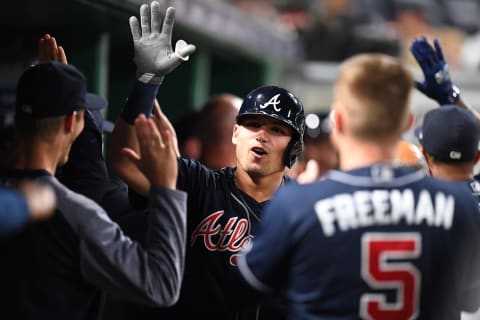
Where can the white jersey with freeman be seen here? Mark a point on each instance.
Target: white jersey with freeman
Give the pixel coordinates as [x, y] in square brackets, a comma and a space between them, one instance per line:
[372, 243]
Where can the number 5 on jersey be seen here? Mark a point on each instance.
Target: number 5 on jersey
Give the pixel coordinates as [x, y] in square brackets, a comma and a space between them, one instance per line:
[381, 271]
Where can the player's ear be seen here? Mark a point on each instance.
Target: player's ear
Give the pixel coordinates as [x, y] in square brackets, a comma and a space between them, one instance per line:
[425, 154]
[477, 157]
[68, 123]
[428, 159]
[337, 120]
[409, 122]
[234, 134]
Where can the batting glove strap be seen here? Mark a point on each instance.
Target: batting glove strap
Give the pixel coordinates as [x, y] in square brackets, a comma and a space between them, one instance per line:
[454, 95]
[150, 78]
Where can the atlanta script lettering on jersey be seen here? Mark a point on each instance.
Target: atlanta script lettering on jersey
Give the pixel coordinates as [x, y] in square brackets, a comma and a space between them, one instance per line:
[233, 237]
[383, 207]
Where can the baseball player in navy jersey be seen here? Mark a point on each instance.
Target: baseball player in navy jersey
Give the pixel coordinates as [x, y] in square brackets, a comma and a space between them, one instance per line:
[373, 241]
[224, 205]
[449, 137]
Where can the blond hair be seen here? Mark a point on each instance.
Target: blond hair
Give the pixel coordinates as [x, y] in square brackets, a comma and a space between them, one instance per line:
[375, 93]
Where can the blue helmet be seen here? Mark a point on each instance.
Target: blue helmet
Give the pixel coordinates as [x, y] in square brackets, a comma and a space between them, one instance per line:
[280, 104]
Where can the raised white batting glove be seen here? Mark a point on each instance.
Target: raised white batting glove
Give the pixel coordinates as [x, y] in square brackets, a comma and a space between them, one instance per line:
[154, 55]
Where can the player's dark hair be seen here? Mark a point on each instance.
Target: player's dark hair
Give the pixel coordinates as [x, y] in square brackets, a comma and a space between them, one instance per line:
[28, 127]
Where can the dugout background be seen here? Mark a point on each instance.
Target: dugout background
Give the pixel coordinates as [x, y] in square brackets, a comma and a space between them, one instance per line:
[235, 52]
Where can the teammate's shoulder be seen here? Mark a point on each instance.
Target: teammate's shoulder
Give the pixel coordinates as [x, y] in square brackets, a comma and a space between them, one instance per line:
[193, 168]
[455, 187]
[459, 190]
[189, 163]
[315, 189]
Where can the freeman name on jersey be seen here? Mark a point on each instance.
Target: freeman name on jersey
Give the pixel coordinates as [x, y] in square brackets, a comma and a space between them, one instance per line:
[383, 207]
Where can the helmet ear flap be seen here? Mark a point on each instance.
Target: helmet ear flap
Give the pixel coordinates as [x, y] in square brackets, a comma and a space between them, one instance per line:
[293, 151]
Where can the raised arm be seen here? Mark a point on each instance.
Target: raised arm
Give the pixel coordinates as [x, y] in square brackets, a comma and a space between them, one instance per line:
[48, 50]
[150, 275]
[437, 83]
[154, 58]
[86, 171]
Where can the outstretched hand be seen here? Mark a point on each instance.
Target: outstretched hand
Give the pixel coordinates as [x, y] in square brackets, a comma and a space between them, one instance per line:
[437, 84]
[310, 174]
[157, 159]
[48, 50]
[154, 55]
[163, 123]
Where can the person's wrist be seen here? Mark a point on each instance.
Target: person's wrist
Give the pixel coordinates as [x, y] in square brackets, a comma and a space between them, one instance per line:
[165, 182]
[150, 78]
[453, 95]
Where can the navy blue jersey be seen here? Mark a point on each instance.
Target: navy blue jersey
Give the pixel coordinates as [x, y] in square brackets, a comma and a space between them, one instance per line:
[220, 221]
[474, 187]
[371, 243]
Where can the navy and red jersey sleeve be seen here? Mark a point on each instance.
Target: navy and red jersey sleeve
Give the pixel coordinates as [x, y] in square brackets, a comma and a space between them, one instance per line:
[192, 176]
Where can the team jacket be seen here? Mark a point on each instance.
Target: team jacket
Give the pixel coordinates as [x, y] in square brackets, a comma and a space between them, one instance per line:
[221, 219]
[372, 243]
[474, 186]
[57, 269]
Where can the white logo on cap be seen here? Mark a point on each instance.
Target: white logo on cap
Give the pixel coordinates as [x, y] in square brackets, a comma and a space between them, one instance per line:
[274, 101]
[455, 155]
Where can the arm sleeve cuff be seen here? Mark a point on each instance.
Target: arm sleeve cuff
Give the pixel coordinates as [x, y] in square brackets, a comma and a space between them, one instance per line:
[139, 101]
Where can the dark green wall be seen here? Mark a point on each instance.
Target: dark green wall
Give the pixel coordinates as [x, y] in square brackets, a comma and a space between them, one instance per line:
[98, 41]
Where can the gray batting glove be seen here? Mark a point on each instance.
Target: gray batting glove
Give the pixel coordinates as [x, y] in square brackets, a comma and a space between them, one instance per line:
[154, 55]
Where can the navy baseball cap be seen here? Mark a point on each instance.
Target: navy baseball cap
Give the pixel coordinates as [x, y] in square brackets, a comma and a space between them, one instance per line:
[95, 104]
[51, 89]
[450, 134]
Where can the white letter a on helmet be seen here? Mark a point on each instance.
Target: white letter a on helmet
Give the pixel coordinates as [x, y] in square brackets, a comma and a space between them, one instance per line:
[273, 101]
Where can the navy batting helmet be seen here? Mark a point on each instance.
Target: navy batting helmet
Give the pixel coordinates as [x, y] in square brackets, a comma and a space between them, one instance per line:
[280, 104]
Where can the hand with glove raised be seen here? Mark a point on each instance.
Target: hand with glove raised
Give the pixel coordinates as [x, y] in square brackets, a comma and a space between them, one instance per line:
[437, 84]
[154, 55]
